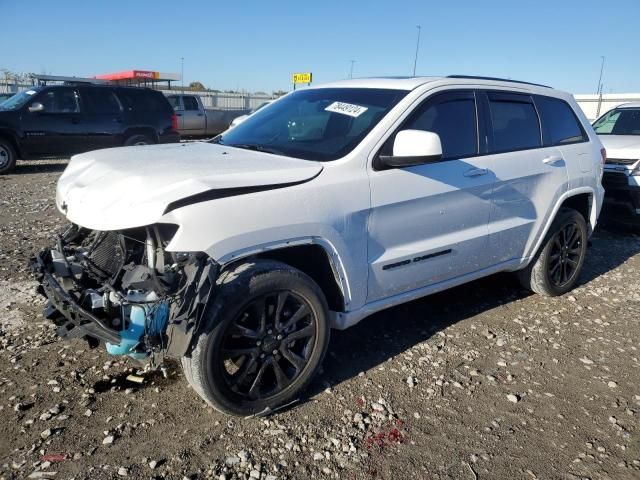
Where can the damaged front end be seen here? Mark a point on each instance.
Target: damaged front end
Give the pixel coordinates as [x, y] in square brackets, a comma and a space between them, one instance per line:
[124, 289]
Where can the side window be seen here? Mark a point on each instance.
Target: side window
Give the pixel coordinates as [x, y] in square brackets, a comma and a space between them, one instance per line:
[102, 101]
[174, 102]
[454, 120]
[190, 103]
[142, 100]
[60, 100]
[514, 122]
[559, 124]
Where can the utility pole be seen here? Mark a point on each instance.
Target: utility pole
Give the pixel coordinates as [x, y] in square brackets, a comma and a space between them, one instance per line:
[351, 70]
[182, 73]
[599, 91]
[415, 60]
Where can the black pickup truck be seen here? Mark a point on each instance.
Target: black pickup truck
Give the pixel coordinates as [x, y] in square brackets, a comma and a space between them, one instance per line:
[62, 120]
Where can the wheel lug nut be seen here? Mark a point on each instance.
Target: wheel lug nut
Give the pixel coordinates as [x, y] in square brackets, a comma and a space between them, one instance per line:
[269, 332]
[262, 355]
[279, 337]
[275, 351]
[258, 343]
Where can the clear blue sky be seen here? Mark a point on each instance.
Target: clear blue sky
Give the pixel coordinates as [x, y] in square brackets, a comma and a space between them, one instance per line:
[257, 45]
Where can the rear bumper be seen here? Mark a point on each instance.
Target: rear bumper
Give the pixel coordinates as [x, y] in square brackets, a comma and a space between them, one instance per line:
[621, 199]
[72, 320]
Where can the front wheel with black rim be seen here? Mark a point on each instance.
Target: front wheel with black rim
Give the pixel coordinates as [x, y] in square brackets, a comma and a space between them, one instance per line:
[555, 269]
[7, 157]
[265, 336]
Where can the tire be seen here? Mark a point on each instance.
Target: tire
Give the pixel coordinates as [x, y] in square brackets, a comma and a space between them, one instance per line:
[138, 140]
[234, 346]
[557, 265]
[7, 157]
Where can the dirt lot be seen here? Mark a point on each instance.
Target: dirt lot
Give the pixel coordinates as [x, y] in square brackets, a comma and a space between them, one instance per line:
[484, 381]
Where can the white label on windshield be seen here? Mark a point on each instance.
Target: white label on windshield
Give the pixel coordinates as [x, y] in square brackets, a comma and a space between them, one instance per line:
[346, 109]
[30, 92]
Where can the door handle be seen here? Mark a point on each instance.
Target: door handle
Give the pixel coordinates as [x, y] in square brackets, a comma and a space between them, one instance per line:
[552, 159]
[178, 114]
[476, 172]
[200, 114]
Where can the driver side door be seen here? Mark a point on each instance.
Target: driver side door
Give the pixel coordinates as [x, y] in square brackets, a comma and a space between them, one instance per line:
[429, 223]
[59, 129]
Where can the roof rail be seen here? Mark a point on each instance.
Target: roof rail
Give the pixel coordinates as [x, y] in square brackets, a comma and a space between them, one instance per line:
[43, 79]
[474, 77]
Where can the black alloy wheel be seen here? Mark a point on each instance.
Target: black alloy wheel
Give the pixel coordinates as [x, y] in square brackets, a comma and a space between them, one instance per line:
[565, 253]
[266, 347]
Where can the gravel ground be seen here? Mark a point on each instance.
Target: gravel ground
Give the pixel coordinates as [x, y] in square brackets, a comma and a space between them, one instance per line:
[483, 381]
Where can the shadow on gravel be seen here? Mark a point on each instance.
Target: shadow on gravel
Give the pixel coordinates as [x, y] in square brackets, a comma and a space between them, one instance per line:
[125, 380]
[391, 332]
[611, 246]
[40, 166]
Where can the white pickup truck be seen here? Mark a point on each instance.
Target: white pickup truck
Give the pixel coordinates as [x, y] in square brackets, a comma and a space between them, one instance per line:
[194, 120]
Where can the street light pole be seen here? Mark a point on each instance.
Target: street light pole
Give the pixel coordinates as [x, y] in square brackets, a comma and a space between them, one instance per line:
[600, 88]
[415, 60]
[351, 70]
[182, 73]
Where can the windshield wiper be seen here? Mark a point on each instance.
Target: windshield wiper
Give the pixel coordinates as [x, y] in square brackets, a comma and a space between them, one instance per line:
[256, 148]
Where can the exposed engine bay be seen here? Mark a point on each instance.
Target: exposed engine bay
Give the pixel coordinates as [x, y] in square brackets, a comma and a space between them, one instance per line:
[124, 289]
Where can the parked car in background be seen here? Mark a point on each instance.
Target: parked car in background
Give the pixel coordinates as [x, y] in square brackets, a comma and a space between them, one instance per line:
[240, 254]
[5, 96]
[194, 120]
[238, 120]
[619, 131]
[62, 120]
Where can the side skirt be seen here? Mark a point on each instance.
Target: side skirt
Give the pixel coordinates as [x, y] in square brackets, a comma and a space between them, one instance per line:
[343, 320]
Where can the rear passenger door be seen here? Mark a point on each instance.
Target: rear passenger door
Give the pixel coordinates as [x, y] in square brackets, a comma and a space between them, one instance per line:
[104, 121]
[530, 175]
[192, 117]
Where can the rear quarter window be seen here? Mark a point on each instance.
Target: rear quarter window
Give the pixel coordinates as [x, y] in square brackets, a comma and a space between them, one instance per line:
[144, 101]
[560, 126]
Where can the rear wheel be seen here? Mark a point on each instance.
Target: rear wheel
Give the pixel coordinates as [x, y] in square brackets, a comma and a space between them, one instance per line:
[7, 157]
[138, 140]
[267, 334]
[555, 269]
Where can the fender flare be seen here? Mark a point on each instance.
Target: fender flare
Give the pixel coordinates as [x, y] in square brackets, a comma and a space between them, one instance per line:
[568, 194]
[337, 265]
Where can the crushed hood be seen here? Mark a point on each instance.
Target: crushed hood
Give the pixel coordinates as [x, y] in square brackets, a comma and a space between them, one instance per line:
[621, 146]
[128, 187]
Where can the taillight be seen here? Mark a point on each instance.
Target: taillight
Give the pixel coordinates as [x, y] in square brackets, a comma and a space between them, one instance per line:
[174, 122]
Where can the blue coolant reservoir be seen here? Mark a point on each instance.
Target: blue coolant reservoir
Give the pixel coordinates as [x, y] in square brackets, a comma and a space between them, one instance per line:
[153, 318]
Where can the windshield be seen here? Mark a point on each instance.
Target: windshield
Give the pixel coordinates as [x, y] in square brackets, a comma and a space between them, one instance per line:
[18, 100]
[619, 121]
[316, 124]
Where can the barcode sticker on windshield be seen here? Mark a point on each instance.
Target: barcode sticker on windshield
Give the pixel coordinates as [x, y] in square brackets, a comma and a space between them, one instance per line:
[346, 109]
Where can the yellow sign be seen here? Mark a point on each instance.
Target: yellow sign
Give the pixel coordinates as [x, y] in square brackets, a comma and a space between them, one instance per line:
[302, 77]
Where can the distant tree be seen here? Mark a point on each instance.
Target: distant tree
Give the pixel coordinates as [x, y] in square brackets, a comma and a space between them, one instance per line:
[196, 86]
[279, 93]
[259, 93]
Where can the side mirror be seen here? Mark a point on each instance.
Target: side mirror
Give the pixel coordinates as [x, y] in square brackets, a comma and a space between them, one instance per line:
[36, 107]
[413, 147]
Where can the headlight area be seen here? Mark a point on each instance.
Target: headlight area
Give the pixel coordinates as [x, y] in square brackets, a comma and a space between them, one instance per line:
[124, 289]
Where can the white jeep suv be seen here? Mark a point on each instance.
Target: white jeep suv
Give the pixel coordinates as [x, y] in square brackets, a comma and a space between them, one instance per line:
[240, 254]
